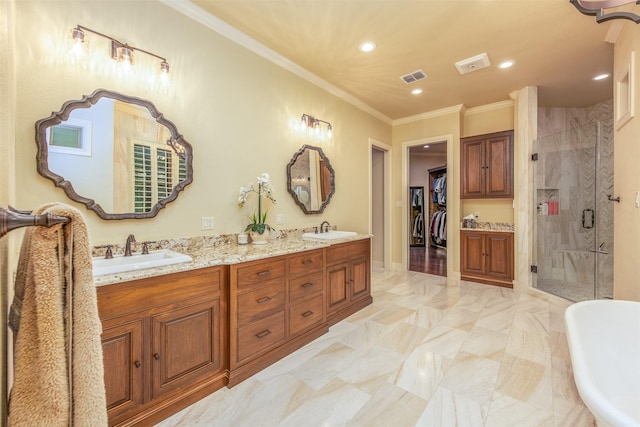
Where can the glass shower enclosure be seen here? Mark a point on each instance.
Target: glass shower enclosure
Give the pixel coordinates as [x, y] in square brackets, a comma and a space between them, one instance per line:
[573, 218]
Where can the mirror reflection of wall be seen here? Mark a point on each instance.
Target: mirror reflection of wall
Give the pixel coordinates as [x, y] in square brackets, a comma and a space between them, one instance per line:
[311, 179]
[116, 154]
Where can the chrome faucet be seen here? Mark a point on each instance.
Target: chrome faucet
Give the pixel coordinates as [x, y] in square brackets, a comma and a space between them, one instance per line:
[324, 226]
[127, 248]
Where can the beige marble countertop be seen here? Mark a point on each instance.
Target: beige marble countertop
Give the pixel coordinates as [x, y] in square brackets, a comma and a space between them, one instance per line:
[486, 229]
[224, 253]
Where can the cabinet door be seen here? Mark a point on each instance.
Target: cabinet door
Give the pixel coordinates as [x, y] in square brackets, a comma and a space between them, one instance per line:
[123, 367]
[186, 346]
[499, 166]
[499, 248]
[473, 169]
[472, 253]
[337, 286]
[359, 278]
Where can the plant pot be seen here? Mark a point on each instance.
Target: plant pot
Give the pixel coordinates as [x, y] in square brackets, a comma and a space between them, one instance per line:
[259, 239]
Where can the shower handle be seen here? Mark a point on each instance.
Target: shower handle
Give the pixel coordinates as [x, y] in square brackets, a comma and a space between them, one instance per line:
[588, 218]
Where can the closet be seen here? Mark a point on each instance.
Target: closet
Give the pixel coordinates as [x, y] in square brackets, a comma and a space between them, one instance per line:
[416, 216]
[437, 215]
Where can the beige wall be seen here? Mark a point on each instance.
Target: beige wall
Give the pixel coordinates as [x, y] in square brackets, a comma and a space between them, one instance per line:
[626, 178]
[232, 105]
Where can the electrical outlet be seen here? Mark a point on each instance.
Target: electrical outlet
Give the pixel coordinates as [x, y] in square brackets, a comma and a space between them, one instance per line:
[279, 219]
[207, 223]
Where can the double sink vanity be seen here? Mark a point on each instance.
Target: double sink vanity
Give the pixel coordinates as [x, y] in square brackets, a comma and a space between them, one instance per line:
[174, 333]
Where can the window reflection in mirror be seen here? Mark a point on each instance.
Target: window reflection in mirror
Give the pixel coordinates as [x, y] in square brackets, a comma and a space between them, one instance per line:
[116, 154]
[310, 179]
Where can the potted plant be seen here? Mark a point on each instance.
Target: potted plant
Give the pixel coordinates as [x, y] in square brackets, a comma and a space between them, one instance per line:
[258, 228]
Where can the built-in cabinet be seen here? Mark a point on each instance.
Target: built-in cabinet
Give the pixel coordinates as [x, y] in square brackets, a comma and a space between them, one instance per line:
[487, 257]
[348, 279]
[487, 166]
[171, 340]
[163, 343]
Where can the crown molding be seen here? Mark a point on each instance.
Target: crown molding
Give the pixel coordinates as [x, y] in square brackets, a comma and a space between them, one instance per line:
[489, 107]
[219, 26]
[430, 114]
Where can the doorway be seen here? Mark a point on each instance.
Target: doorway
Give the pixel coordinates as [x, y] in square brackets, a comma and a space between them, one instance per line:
[427, 208]
[380, 203]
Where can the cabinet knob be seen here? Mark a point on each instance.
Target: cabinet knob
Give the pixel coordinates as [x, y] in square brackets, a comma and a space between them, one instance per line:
[136, 364]
[156, 356]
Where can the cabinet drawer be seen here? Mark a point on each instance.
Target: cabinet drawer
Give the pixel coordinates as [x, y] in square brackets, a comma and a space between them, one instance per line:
[341, 252]
[260, 335]
[260, 303]
[305, 314]
[305, 286]
[306, 262]
[260, 272]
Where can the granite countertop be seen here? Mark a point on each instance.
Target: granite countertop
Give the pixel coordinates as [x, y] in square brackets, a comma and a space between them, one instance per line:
[221, 251]
[504, 227]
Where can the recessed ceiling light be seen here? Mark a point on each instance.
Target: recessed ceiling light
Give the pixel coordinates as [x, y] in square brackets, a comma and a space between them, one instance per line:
[367, 46]
[416, 91]
[425, 146]
[506, 64]
[601, 76]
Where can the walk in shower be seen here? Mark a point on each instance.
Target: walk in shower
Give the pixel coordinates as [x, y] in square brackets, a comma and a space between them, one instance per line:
[573, 221]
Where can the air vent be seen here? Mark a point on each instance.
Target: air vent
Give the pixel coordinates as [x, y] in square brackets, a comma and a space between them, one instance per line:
[472, 64]
[413, 77]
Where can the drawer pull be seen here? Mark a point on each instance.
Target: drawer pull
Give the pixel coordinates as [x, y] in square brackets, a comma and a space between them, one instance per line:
[264, 273]
[156, 356]
[307, 313]
[136, 364]
[263, 300]
[263, 334]
[307, 261]
[307, 285]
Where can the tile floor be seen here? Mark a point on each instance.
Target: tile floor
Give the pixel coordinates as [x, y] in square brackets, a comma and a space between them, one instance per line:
[423, 354]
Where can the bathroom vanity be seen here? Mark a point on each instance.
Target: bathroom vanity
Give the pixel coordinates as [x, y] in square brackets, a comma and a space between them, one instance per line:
[172, 339]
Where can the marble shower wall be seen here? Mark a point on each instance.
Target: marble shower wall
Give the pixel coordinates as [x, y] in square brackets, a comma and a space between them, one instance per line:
[565, 172]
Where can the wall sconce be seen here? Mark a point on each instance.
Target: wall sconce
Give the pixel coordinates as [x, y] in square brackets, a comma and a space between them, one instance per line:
[121, 52]
[315, 125]
[597, 8]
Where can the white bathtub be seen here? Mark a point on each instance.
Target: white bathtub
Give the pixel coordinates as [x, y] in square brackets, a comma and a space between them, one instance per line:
[604, 342]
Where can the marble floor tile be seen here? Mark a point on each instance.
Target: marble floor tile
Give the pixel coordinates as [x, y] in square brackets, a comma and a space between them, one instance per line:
[429, 351]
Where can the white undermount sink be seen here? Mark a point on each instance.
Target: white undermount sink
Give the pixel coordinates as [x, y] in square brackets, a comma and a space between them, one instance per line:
[329, 235]
[121, 264]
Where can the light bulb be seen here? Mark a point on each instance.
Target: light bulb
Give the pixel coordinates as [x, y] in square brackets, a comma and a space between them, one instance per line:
[78, 46]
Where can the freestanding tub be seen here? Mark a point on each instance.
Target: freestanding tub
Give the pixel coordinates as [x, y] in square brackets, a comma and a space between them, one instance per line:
[604, 342]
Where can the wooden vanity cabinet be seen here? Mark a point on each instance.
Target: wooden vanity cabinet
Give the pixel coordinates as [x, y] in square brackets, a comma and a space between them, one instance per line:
[276, 306]
[348, 271]
[164, 341]
[487, 257]
[487, 166]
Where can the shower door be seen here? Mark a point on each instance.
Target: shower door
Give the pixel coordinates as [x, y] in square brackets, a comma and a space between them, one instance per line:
[573, 218]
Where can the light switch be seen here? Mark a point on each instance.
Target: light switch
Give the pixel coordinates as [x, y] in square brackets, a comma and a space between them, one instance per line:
[279, 219]
[207, 223]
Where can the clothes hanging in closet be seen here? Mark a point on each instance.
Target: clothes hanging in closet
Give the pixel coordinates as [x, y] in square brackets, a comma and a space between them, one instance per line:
[438, 226]
[418, 224]
[439, 188]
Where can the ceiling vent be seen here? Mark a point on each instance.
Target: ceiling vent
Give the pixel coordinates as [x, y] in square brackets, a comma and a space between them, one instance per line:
[413, 77]
[472, 64]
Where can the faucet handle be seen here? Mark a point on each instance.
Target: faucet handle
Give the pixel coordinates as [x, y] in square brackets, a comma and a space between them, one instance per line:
[145, 247]
[108, 254]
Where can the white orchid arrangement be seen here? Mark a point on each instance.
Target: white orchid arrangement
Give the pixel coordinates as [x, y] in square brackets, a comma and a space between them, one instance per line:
[259, 219]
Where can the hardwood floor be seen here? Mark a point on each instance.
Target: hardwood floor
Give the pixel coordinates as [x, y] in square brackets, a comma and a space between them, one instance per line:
[428, 260]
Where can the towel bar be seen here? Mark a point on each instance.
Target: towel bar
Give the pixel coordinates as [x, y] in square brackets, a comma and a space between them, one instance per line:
[13, 218]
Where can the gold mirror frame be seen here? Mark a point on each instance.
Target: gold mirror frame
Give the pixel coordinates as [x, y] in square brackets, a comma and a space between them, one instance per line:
[326, 173]
[176, 142]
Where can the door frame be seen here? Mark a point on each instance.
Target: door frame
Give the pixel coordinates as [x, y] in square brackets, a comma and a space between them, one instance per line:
[386, 152]
[445, 139]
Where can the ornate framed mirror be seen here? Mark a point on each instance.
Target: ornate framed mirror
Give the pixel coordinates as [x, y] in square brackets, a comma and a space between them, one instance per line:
[116, 154]
[310, 179]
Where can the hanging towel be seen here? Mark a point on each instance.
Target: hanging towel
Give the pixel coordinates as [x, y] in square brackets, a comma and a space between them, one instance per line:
[58, 366]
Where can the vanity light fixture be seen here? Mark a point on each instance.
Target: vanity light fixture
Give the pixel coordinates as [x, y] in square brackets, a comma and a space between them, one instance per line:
[311, 123]
[121, 52]
[597, 8]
